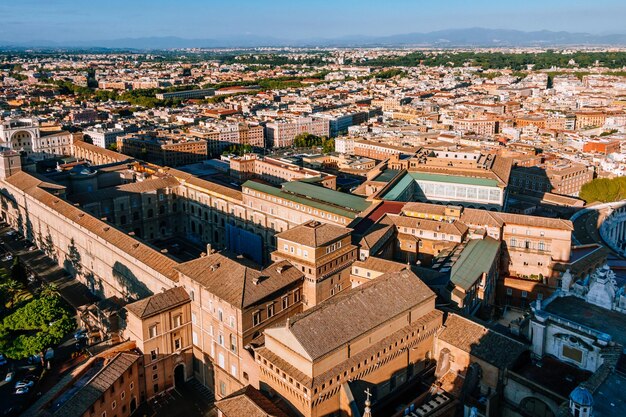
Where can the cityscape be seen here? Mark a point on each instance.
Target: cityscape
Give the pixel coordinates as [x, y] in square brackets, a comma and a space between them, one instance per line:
[342, 209]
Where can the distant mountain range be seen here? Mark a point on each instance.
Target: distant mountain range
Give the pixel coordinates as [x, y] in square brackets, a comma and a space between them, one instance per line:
[473, 37]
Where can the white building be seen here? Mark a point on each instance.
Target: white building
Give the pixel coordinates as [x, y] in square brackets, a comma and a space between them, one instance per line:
[103, 137]
[25, 136]
[344, 145]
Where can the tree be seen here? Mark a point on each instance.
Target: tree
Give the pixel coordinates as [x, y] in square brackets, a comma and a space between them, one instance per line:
[307, 140]
[112, 147]
[328, 145]
[604, 190]
[34, 327]
[14, 290]
[18, 272]
[48, 290]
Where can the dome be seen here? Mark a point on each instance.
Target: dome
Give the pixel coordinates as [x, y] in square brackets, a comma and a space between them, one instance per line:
[582, 397]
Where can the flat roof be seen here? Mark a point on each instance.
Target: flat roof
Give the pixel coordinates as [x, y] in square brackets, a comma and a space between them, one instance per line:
[387, 175]
[331, 207]
[456, 179]
[320, 193]
[590, 315]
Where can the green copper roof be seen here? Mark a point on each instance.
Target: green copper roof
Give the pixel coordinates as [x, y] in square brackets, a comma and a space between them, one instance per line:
[315, 196]
[387, 175]
[456, 179]
[477, 257]
[397, 190]
[352, 202]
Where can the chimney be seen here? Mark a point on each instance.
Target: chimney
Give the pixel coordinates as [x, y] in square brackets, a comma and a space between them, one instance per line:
[256, 280]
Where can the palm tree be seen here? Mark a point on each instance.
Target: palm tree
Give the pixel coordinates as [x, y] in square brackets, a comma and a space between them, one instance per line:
[14, 290]
[49, 290]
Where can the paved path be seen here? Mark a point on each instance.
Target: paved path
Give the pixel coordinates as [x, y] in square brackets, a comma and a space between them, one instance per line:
[74, 292]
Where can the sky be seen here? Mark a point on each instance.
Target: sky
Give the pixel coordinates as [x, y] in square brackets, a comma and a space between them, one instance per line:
[68, 20]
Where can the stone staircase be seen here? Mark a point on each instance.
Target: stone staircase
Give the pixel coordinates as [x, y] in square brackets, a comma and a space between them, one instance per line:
[202, 390]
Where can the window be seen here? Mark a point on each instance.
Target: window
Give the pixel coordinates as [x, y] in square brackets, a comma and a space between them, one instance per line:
[192, 295]
[232, 321]
[509, 291]
[256, 318]
[178, 320]
[233, 370]
[541, 246]
[222, 389]
[221, 360]
[220, 339]
[572, 353]
[104, 414]
[177, 344]
[153, 354]
[285, 302]
[524, 294]
[155, 387]
[113, 405]
[155, 377]
[513, 242]
[123, 395]
[193, 318]
[131, 386]
[152, 330]
[233, 343]
[194, 337]
[270, 310]
[296, 296]
[220, 314]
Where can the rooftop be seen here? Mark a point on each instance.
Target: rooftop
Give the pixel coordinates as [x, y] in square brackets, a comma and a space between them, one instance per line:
[590, 315]
[158, 303]
[481, 342]
[314, 233]
[236, 283]
[477, 258]
[344, 317]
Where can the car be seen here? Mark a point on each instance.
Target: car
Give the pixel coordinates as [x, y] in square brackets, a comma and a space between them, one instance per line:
[24, 383]
[21, 390]
[35, 359]
[11, 233]
[9, 377]
[8, 257]
[80, 334]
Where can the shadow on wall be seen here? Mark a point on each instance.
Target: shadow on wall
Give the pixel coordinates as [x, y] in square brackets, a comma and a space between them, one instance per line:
[132, 288]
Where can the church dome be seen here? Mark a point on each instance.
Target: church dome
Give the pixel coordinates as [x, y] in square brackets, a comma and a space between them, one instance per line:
[581, 396]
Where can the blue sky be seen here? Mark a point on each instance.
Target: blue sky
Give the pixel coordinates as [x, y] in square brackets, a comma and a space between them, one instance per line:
[66, 20]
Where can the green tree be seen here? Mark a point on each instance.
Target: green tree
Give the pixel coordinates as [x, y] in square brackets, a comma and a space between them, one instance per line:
[48, 290]
[307, 140]
[18, 271]
[604, 190]
[328, 145]
[34, 327]
[14, 291]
